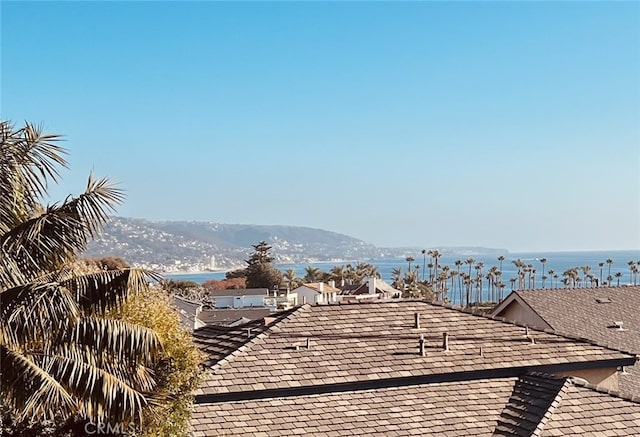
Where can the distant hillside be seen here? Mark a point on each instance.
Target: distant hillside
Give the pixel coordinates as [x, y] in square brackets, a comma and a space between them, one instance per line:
[180, 245]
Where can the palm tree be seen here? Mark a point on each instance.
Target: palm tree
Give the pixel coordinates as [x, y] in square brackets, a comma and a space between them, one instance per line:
[61, 357]
[543, 261]
[458, 263]
[609, 277]
[500, 260]
[631, 276]
[520, 265]
[550, 276]
[410, 259]
[291, 279]
[396, 278]
[618, 275]
[424, 262]
[601, 265]
[312, 274]
[436, 255]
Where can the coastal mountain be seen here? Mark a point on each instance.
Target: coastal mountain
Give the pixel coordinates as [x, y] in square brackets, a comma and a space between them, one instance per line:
[189, 245]
[195, 246]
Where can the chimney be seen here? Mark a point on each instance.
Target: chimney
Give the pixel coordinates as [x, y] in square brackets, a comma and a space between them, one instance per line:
[372, 285]
[423, 353]
[445, 341]
[417, 320]
[332, 283]
[320, 287]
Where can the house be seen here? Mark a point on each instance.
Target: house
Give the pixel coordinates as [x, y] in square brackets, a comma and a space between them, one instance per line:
[195, 314]
[405, 367]
[239, 298]
[373, 289]
[317, 292]
[606, 315]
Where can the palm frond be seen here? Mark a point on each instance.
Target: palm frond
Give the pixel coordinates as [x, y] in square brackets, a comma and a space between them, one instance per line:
[105, 290]
[31, 389]
[101, 395]
[28, 160]
[134, 374]
[34, 311]
[123, 341]
[47, 241]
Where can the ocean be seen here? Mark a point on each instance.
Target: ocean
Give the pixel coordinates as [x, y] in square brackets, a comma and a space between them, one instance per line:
[556, 261]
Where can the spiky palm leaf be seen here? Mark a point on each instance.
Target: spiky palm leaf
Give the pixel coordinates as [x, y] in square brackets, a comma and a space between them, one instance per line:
[59, 355]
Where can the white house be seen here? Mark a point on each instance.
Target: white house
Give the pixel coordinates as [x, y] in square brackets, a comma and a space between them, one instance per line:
[240, 298]
[373, 289]
[317, 292]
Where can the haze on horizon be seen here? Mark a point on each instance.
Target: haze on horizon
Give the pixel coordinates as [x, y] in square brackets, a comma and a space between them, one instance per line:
[496, 124]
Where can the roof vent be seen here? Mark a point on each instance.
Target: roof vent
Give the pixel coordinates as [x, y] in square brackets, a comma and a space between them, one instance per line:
[423, 352]
[617, 325]
[603, 300]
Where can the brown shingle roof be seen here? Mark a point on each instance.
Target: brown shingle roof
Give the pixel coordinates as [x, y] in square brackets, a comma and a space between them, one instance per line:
[377, 341]
[224, 316]
[577, 312]
[583, 410]
[362, 375]
[218, 342]
[516, 406]
[468, 408]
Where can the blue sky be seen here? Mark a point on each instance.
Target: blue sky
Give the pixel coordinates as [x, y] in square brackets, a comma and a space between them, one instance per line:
[501, 124]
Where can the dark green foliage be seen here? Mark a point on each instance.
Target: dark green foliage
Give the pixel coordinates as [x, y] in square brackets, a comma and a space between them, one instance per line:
[260, 273]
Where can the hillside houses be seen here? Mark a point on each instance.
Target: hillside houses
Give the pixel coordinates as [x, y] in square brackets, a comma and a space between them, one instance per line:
[406, 368]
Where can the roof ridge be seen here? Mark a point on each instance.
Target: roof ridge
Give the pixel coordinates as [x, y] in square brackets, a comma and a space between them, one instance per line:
[580, 382]
[262, 334]
[553, 406]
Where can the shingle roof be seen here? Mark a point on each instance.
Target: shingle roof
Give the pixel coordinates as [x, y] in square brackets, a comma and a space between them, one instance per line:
[378, 341]
[577, 312]
[218, 342]
[224, 316]
[468, 408]
[530, 405]
[539, 405]
[361, 374]
[583, 411]
[186, 310]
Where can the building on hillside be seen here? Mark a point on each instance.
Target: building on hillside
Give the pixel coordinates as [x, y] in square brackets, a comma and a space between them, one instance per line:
[401, 368]
[317, 292]
[606, 315]
[373, 289]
